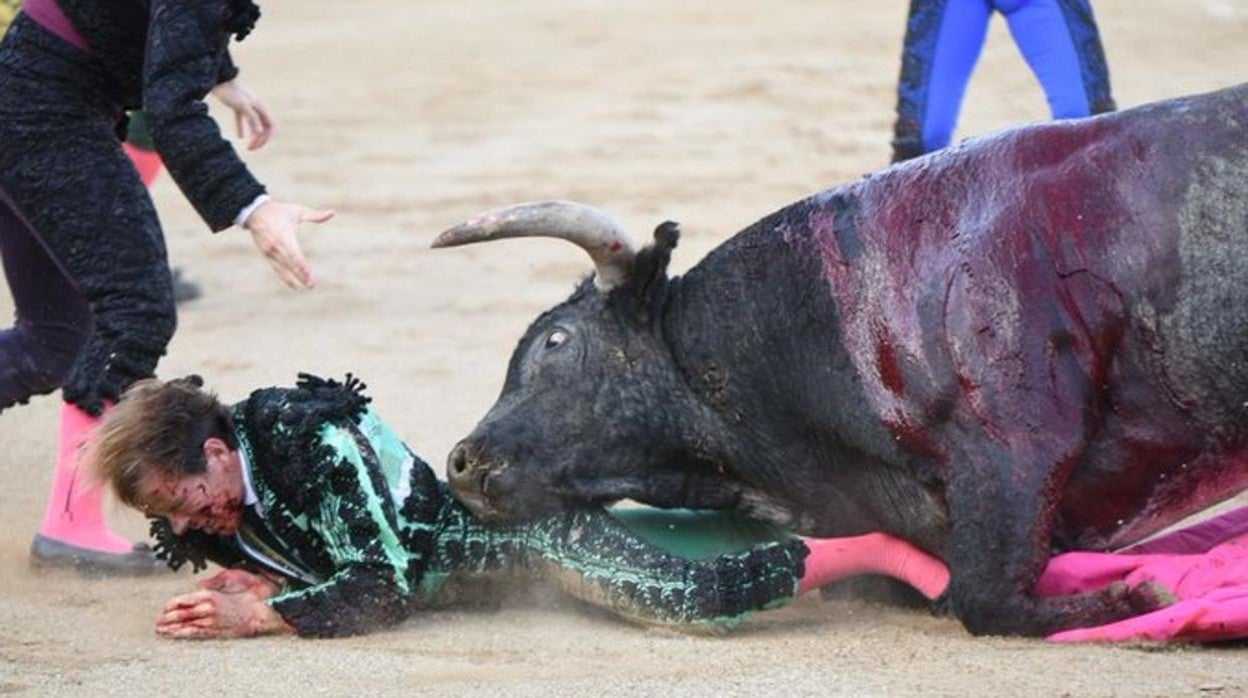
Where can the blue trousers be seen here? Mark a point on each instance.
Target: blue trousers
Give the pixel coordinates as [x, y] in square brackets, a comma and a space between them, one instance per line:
[944, 38]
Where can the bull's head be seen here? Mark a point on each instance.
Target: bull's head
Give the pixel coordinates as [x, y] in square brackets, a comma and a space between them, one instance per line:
[593, 408]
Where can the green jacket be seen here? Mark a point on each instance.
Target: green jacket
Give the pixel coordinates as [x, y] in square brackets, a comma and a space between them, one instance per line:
[365, 533]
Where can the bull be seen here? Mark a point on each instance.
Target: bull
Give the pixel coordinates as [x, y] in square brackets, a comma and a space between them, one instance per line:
[1031, 342]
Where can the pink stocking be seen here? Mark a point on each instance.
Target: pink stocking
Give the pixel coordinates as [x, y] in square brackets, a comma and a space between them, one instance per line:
[147, 162]
[75, 512]
[832, 559]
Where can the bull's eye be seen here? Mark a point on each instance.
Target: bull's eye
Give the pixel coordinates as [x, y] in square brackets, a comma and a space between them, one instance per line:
[556, 338]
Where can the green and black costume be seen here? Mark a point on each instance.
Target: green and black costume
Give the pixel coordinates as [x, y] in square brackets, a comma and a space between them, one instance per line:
[365, 533]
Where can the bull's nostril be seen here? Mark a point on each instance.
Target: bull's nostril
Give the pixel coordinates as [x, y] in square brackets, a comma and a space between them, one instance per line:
[459, 460]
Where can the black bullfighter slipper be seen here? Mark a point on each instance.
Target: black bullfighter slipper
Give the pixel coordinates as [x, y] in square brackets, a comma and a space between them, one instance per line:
[183, 288]
[49, 553]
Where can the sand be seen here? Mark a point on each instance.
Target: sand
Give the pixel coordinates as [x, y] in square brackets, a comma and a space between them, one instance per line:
[408, 117]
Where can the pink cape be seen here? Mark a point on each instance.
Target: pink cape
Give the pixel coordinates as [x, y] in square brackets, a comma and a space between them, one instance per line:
[1205, 566]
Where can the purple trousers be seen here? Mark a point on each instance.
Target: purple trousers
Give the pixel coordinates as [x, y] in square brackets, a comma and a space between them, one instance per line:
[52, 323]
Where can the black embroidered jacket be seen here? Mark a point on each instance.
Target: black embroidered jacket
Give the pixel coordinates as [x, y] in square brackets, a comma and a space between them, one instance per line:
[164, 56]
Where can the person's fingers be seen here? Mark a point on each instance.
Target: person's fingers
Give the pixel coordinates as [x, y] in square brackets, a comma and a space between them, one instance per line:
[188, 632]
[200, 623]
[292, 266]
[284, 272]
[209, 621]
[180, 615]
[184, 614]
[238, 123]
[193, 598]
[256, 129]
[267, 124]
[309, 215]
[273, 247]
[278, 240]
[299, 267]
[293, 257]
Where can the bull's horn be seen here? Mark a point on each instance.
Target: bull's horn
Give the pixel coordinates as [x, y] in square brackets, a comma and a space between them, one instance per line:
[593, 230]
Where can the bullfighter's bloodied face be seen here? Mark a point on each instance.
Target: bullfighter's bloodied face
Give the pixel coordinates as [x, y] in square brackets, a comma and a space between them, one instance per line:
[211, 501]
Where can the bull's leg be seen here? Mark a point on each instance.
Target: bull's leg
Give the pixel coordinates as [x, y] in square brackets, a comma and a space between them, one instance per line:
[999, 544]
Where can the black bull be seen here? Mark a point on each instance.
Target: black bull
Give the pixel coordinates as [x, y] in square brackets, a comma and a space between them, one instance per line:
[1031, 342]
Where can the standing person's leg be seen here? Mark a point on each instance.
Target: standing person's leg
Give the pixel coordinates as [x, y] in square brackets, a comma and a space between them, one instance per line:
[52, 320]
[86, 203]
[1061, 44]
[943, 41]
[53, 324]
[140, 149]
[64, 175]
[142, 152]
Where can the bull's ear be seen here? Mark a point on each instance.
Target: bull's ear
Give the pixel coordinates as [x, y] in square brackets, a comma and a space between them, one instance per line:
[642, 295]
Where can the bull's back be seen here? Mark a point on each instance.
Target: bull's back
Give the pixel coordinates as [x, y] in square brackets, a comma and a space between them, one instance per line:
[854, 315]
[1123, 239]
[1177, 440]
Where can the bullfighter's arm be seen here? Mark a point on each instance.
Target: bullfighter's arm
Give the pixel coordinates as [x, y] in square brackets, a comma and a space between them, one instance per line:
[360, 531]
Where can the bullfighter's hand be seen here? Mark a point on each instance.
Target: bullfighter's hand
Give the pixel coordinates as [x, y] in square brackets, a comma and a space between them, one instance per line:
[274, 227]
[241, 581]
[251, 118]
[203, 614]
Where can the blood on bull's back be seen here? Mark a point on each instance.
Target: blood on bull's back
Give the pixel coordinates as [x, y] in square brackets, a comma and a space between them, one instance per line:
[1100, 265]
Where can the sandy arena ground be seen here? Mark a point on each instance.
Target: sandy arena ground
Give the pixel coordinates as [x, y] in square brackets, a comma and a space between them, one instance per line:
[408, 117]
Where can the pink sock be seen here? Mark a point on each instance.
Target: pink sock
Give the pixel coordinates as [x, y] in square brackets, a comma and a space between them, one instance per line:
[75, 512]
[832, 559]
[147, 162]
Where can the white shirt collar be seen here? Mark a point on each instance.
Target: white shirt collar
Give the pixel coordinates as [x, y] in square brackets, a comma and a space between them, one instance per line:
[249, 493]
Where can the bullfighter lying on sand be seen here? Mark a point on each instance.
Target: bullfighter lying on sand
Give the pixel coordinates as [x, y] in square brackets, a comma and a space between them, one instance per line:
[331, 526]
[350, 531]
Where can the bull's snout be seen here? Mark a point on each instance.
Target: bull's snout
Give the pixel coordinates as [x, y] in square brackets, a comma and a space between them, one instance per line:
[461, 468]
[466, 472]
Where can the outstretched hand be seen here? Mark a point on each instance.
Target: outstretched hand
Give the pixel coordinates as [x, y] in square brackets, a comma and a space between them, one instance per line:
[205, 614]
[232, 581]
[274, 227]
[251, 118]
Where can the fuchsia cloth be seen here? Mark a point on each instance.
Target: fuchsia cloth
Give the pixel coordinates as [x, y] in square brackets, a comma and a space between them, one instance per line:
[50, 16]
[1205, 566]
